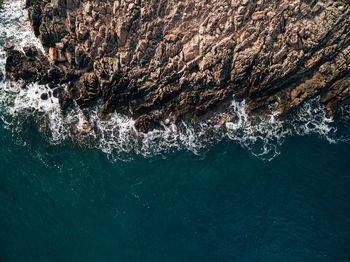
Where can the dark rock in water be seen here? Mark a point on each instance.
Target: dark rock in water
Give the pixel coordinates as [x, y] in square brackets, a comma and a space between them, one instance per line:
[9, 46]
[30, 51]
[20, 67]
[184, 60]
[1, 76]
[66, 100]
[44, 96]
[55, 92]
[147, 122]
[23, 85]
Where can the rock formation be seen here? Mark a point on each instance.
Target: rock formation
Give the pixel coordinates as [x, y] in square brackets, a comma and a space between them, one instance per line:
[184, 60]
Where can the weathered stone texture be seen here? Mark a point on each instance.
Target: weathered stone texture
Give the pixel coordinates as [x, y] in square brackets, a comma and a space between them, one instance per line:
[159, 59]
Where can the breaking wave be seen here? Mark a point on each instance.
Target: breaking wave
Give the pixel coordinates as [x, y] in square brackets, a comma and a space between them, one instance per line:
[117, 137]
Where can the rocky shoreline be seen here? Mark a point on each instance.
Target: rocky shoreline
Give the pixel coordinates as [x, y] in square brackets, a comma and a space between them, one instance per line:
[171, 61]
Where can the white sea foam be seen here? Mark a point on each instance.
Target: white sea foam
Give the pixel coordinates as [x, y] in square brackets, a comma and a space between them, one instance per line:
[117, 136]
[262, 139]
[15, 27]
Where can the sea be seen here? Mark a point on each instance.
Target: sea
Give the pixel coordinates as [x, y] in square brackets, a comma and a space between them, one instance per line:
[270, 190]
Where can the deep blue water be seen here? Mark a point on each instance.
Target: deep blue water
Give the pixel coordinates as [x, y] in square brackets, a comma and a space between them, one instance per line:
[61, 203]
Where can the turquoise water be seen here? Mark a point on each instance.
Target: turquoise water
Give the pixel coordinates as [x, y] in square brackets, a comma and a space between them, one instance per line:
[59, 203]
[272, 191]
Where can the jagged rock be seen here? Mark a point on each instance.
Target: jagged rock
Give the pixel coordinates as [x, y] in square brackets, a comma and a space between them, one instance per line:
[32, 65]
[30, 51]
[66, 100]
[19, 66]
[186, 59]
[147, 122]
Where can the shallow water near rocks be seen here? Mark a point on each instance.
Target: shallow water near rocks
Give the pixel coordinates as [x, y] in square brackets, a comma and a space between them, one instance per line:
[272, 191]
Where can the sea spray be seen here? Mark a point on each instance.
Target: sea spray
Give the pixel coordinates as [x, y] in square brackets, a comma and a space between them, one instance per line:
[15, 29]
[117, 137]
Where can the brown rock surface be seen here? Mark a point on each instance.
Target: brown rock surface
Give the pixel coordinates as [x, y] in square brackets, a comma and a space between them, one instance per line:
[163, 59]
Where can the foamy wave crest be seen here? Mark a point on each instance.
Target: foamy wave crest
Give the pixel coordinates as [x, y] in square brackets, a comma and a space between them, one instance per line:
[22, 106]
[262, 138]
[117, 137]
[314, 120]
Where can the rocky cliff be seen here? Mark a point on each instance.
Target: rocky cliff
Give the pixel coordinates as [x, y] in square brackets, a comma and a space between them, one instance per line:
[184, 60]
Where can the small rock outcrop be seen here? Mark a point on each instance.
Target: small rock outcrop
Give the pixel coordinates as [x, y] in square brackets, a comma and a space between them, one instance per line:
[184, 60]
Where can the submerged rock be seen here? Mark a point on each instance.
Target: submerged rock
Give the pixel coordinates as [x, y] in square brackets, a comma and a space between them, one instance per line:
[44, 96]
[187, 59]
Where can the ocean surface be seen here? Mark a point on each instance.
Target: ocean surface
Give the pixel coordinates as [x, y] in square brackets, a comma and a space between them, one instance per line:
[268, 191]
